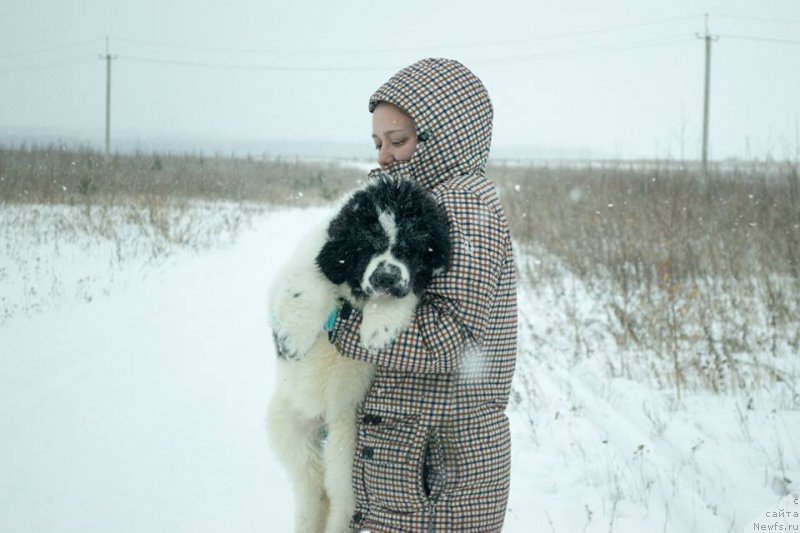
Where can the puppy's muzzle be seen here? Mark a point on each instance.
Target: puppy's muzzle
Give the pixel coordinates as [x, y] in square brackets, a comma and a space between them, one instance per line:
[387, 279]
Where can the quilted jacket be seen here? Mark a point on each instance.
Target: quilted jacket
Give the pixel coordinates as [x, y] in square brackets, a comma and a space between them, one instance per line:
[433, 449]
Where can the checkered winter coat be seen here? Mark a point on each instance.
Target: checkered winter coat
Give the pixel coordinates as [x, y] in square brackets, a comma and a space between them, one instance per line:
[433, 450]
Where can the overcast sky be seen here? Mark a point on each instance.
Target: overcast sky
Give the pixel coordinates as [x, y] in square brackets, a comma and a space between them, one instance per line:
[602, 78]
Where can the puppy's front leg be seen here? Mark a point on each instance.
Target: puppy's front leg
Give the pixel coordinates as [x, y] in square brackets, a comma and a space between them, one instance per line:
[299, 310]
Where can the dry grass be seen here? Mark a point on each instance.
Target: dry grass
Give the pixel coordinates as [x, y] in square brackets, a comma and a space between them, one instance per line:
[660, 225]
[702, 271]
[63, 175]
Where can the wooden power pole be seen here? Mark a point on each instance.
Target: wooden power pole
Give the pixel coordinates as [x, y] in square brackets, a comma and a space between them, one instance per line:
[108, 57]
[706, 91]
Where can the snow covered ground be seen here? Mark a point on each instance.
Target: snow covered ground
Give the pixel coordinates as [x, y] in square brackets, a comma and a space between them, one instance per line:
[141, 409]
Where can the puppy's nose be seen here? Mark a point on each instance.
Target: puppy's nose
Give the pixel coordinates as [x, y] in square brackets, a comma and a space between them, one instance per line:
[386, 276]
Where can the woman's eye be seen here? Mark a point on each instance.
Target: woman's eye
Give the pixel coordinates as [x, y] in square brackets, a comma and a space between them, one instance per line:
[398, 143]
[377, 147]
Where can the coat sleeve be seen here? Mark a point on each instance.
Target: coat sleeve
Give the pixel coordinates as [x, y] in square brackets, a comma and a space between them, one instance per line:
[454, 311]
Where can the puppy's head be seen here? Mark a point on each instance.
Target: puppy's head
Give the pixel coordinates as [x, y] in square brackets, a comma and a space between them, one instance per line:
[388, 240]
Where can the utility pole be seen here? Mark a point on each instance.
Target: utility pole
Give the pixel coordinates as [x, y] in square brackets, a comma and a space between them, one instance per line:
[108, 57]
[707, 90]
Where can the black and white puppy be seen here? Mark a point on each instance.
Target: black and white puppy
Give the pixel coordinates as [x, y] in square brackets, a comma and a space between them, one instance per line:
[379, 254]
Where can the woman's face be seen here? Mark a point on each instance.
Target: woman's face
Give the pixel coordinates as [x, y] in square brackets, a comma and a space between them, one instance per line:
[393, 133]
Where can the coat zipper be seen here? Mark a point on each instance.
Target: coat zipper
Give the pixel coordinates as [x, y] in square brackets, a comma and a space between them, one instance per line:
[432, 515]
[433, 498]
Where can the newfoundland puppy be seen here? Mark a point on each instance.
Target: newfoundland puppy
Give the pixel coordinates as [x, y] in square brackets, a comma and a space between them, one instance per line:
[378, 255]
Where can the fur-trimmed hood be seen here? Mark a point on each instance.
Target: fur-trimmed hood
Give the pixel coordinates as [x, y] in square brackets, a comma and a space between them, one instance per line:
[453, 116]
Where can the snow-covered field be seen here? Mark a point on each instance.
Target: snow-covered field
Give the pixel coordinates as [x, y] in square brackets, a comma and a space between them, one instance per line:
[140, 408]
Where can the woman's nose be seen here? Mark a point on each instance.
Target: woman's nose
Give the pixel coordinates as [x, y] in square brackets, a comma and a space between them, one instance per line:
[385, 156]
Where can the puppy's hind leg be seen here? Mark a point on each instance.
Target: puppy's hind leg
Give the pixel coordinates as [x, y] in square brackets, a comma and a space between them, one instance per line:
[338, 454]
[340, 411]
[296, 441]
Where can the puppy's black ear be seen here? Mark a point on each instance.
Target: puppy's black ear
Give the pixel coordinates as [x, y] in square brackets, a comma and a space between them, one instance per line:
[332, 258]
[332, 261]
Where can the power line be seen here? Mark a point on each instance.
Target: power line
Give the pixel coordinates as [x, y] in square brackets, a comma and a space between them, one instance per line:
[329, 51]
[50, 48]
[47, 65]
[760, 19]
[610, 29]
[278, 68]
[764, 39]
[231, 66]
[650, 43]
[661, 41]
[202, 48]
[348, 51]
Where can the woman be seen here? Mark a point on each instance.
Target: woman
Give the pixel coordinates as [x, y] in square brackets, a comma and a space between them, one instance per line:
[433, 451]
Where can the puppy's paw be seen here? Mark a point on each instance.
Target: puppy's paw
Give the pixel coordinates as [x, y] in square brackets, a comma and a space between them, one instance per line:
[376, 336]
[383, 321]
[293, 347]
[298, 315]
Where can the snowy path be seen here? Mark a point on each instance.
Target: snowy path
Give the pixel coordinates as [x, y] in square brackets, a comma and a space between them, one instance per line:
[143, 412]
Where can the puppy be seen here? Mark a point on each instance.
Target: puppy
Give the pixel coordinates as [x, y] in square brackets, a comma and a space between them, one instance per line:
[378, 254]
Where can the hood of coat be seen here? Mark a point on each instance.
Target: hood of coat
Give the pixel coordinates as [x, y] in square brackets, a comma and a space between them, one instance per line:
[453, 116]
